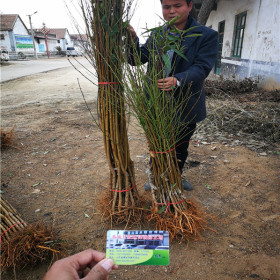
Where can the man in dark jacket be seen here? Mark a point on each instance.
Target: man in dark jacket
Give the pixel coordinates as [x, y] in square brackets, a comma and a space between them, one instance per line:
[200, 51]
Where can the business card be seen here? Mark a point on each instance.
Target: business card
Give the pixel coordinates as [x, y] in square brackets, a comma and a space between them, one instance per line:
[138, 247]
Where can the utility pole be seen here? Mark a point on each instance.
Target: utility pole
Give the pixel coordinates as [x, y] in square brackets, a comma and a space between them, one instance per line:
[32, 32]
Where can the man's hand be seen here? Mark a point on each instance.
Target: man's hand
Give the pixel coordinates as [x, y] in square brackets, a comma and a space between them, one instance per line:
[132, 32]
[89, 264]
[167, 84]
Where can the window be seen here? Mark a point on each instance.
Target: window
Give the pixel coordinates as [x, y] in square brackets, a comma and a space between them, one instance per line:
[240, 21]
[2, 37]
[58, 41]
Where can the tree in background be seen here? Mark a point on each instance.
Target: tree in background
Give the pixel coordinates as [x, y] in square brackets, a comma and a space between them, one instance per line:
[205, 10]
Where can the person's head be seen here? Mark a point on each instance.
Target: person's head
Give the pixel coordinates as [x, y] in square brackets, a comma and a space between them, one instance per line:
[188, 1]
[176, 8]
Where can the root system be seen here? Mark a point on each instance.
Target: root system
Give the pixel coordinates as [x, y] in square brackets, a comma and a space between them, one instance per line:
[129, 215]
[182, 226]
[33, 244]
[23, 244]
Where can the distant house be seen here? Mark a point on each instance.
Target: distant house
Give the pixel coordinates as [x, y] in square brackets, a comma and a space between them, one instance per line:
[57, 37]
[40, 42]
[80, 41]
[249, 40]
[63, 38]
[14, 35]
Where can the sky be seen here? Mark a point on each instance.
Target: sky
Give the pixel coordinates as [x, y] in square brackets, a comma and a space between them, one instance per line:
[55, 14]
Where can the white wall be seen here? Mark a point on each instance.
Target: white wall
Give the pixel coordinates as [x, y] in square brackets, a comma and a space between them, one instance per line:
[6, 42]
[52, 43]
[70, 43]
[261, 44]
[266, 41]
[19, 28]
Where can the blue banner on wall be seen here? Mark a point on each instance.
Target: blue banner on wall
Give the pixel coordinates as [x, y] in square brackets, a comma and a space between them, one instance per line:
[24, 42]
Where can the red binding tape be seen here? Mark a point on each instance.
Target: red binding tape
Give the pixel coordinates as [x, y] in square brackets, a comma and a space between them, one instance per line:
[9, 229]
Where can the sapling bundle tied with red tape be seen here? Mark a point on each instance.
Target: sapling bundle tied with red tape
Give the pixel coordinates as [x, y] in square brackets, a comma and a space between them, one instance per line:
[106, 26]
[162, 117]
[25, 244]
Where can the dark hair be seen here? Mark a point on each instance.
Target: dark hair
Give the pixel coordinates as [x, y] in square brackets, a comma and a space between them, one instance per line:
[188, 1]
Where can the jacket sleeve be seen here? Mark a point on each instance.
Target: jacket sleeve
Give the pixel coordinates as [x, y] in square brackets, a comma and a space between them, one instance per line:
[203, 61]
[138, 53]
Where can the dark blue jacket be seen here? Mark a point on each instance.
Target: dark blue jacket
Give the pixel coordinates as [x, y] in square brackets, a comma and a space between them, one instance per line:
[201, 52]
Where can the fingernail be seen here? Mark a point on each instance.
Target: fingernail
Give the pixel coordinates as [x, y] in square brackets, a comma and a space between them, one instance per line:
[107, 264]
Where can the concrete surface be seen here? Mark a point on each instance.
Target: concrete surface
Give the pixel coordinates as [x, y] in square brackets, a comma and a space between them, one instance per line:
[17, 69]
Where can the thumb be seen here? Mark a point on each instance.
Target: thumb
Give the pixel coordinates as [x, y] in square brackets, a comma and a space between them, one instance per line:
[101, 270]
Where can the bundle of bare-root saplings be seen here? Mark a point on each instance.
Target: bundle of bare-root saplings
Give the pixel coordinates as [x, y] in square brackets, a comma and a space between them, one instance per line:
[106, 26]
[23, 244]
[161, 117]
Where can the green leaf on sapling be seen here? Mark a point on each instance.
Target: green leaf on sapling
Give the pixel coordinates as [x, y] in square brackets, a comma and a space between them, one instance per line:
[161, 210]
[167, 61]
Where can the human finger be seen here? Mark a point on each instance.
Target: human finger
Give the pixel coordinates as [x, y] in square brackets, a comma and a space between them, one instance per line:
[101, 270]
[165, 86]
[162, 83]
[86, 258]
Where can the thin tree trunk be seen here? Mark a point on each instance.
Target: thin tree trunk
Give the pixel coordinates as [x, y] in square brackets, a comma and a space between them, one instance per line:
[205, 10]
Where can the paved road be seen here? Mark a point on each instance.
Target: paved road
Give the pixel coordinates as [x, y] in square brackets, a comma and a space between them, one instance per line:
[18, 69]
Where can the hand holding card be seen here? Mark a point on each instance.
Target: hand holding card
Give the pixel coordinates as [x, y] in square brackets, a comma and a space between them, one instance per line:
[138, 247]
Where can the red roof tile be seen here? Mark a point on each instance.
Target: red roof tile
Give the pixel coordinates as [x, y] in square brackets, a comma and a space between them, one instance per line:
[7, 22]
[60, 32]
[79, 37]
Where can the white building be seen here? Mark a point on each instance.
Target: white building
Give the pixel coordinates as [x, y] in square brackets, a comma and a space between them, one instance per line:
[81, 42]
[57, 37]
[42, 45]
[14, 35]
[63, 38]
[249, 40]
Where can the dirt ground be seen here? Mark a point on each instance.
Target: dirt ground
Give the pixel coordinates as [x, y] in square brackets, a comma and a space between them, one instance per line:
[56, 168]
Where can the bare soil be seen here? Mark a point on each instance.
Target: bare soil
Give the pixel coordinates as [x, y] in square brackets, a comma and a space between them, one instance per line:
[56, 168]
